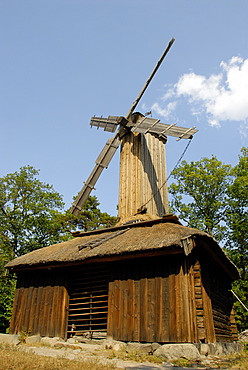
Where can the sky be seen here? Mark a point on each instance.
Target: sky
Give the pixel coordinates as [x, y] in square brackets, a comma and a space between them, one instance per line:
[64, 61]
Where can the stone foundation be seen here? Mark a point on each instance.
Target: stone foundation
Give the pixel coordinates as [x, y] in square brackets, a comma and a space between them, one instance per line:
[171, 351]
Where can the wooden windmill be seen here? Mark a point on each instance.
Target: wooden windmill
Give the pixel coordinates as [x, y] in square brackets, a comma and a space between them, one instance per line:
[142, 189]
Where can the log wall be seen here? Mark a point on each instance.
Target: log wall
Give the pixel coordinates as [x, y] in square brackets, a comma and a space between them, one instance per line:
[170, 298]
[154, 300]
[217, 286]
[40, 303]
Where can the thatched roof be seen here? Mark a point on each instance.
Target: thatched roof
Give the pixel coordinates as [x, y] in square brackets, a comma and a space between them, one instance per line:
[140, 238]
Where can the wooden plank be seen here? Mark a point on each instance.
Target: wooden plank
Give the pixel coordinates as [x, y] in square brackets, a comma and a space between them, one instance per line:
[184, 318]
[124, 310]
[20, 322]
[165, 330]
[195, 337]
[143, 310]
[208, 317]
[47, 299]
[111, 309]
[158, 310]
[130, 310]
[151, 317]
[172, 310]
[137, 308]
[13, 323]
[33, 309]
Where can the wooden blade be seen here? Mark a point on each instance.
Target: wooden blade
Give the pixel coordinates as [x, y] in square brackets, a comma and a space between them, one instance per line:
[108, 124]
[154, 126]
[102, 162]
[135, 103]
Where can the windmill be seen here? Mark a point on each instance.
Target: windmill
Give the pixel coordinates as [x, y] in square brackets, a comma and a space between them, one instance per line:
[142, 189]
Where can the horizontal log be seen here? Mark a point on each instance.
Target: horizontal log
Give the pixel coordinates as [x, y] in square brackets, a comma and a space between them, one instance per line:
[89, 324]
[79, 315]
[72, 307]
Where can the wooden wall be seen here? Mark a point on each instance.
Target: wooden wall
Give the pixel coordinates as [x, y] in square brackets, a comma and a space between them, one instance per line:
[157, 300]
[168, 299]
[40, 303]
[218, 285]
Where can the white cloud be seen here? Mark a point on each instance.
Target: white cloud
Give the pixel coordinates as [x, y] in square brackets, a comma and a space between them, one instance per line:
[164, 112]
[222, 97]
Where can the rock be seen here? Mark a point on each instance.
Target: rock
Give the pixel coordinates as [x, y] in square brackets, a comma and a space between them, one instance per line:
[73, 340]
[155, 346]
[147, 348]
[204, 349]
[68, 345]
[243, 337]
[10, 339]
[218, 349]
[33, 339]
[47, 341]
[114, 344]
[176, 351]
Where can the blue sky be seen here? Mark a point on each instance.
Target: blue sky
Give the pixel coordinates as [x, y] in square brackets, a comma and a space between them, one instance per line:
[63, 61]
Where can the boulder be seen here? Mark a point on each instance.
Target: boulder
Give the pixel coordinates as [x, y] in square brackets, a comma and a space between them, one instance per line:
[33, 339]
[176, 351]
[147, 348]
[218, 349]
[47, 341]
[114, 344]
[243, 337]
[12, 339]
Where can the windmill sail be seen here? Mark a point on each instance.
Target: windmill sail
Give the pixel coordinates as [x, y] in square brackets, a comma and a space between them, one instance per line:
[102, 162]
[126, 125]
[108, 124]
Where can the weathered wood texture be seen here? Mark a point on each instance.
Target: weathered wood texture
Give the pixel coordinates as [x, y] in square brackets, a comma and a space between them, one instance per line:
[40, 304]
[142, 176]
[217, 286]
[156, 299]
[168, 298]
[88, 303]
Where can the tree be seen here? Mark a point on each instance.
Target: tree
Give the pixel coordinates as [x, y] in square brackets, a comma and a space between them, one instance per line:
[204, 184]
[213, 197]
[237, 244]
[29, 219]
[91, 218]
[29, 212]
[7, 288]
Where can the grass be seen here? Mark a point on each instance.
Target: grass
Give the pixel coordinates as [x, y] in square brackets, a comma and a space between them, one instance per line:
[134, 356]
[237, 361]
[11, 358]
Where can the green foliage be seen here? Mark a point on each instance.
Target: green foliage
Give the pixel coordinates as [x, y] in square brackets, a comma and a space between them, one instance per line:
[204, 183]
[29, 212]
[91, 218]
[237, 222]
[213, 197]
[29, 219]
[7, 289]
[23, 335]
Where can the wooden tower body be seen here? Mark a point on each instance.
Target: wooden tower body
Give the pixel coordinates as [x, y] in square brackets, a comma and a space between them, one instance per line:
[142, 187]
